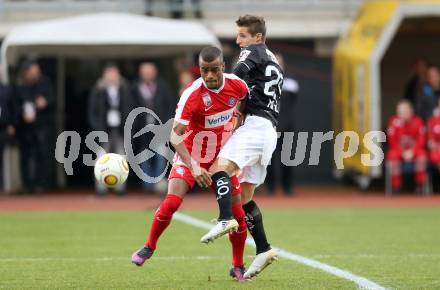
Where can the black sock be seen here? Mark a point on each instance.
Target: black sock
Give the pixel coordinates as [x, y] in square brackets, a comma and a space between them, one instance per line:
[223, 189]
[254, 221]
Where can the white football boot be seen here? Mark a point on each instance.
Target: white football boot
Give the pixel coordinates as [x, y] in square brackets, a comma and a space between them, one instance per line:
[260, 262]
[220, 229]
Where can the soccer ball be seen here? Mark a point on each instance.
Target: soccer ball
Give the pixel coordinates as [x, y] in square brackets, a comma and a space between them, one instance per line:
[111, 170]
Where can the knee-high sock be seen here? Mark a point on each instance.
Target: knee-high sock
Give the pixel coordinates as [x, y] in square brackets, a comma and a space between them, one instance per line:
[238, 238]
[396, 178]
[162, 218]
[396, 181]
[254, 221]
[420, 173]
[420, 177]
[223, 191]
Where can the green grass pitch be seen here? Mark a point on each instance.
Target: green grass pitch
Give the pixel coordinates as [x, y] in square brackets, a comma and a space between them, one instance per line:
[396, 248]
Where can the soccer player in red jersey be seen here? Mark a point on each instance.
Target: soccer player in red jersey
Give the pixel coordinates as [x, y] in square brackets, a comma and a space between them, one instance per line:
[434, 137]
[406, 140]
[202, 123]
[250, 148]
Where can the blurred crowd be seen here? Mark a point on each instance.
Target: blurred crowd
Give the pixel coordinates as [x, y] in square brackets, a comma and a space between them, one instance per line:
[113, 98]
[413, 134]
[28, 118]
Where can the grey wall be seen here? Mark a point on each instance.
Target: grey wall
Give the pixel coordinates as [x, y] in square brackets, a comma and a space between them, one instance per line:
[314, 105]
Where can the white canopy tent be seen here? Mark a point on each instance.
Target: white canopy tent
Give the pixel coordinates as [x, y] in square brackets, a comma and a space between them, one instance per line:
[101, 35]
[105, 35]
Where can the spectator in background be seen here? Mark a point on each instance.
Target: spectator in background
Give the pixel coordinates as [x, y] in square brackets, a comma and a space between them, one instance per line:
[155, 94]
[184, 64]
[431, 93]
[413, 89]
[185, 79]
[110, 103]
[7, 126]
[35, 108]
[434, 137]
[280, 176]
[195, 70]
[406, 141]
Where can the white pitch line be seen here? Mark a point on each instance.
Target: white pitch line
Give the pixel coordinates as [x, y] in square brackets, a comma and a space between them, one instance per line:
[105, 259]
[362, 282]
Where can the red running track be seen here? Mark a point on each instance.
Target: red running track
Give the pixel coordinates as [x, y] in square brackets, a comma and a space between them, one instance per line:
[306, 197]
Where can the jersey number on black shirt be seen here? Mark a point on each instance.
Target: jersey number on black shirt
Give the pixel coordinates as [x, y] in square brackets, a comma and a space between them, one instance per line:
[264, 79]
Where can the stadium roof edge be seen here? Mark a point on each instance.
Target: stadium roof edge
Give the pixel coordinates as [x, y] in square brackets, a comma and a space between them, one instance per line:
[105, 35]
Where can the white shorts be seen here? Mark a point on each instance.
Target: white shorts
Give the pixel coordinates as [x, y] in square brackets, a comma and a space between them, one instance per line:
[251, 147]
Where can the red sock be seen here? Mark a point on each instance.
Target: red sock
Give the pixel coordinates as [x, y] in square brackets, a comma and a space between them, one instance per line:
[420, 177]
[395, 181]
[238, 238]
[162, 218]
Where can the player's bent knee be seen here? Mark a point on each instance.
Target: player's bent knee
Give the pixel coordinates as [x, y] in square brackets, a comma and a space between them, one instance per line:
[178, 187]
[223, 165]
[245, 198]
[247, 192]
[236, 199]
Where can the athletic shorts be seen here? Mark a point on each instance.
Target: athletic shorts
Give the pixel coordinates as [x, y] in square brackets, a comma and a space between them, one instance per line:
[434, 156]
[396, 154]
[251, 147]
[180, 170]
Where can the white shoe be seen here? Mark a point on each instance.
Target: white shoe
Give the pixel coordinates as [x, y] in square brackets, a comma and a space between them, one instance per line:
[260, 262]
[220, 229]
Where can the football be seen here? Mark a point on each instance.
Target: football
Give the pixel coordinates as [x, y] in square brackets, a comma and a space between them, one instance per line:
[111, 170]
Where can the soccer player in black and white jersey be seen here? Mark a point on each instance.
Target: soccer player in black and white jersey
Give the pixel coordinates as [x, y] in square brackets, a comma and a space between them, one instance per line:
[250, 147]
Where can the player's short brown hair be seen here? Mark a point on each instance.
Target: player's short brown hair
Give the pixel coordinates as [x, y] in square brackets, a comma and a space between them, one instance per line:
[255, 24]
[211, 53]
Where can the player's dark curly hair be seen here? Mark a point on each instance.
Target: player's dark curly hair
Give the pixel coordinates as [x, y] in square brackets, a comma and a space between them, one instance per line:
[255, 24]
[211, 53]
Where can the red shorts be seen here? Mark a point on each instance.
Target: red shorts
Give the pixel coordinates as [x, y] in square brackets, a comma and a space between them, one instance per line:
[396, 154]
[181, 171]
[434, 156]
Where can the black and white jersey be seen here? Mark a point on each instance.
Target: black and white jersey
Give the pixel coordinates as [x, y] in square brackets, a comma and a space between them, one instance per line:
[264, 78]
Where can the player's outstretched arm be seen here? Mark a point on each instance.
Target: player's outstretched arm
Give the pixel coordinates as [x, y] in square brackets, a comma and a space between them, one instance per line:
[201, 175]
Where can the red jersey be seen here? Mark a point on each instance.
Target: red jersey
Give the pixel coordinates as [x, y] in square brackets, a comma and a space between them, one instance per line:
[408, 135]
[434, 131]
[207, 114]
